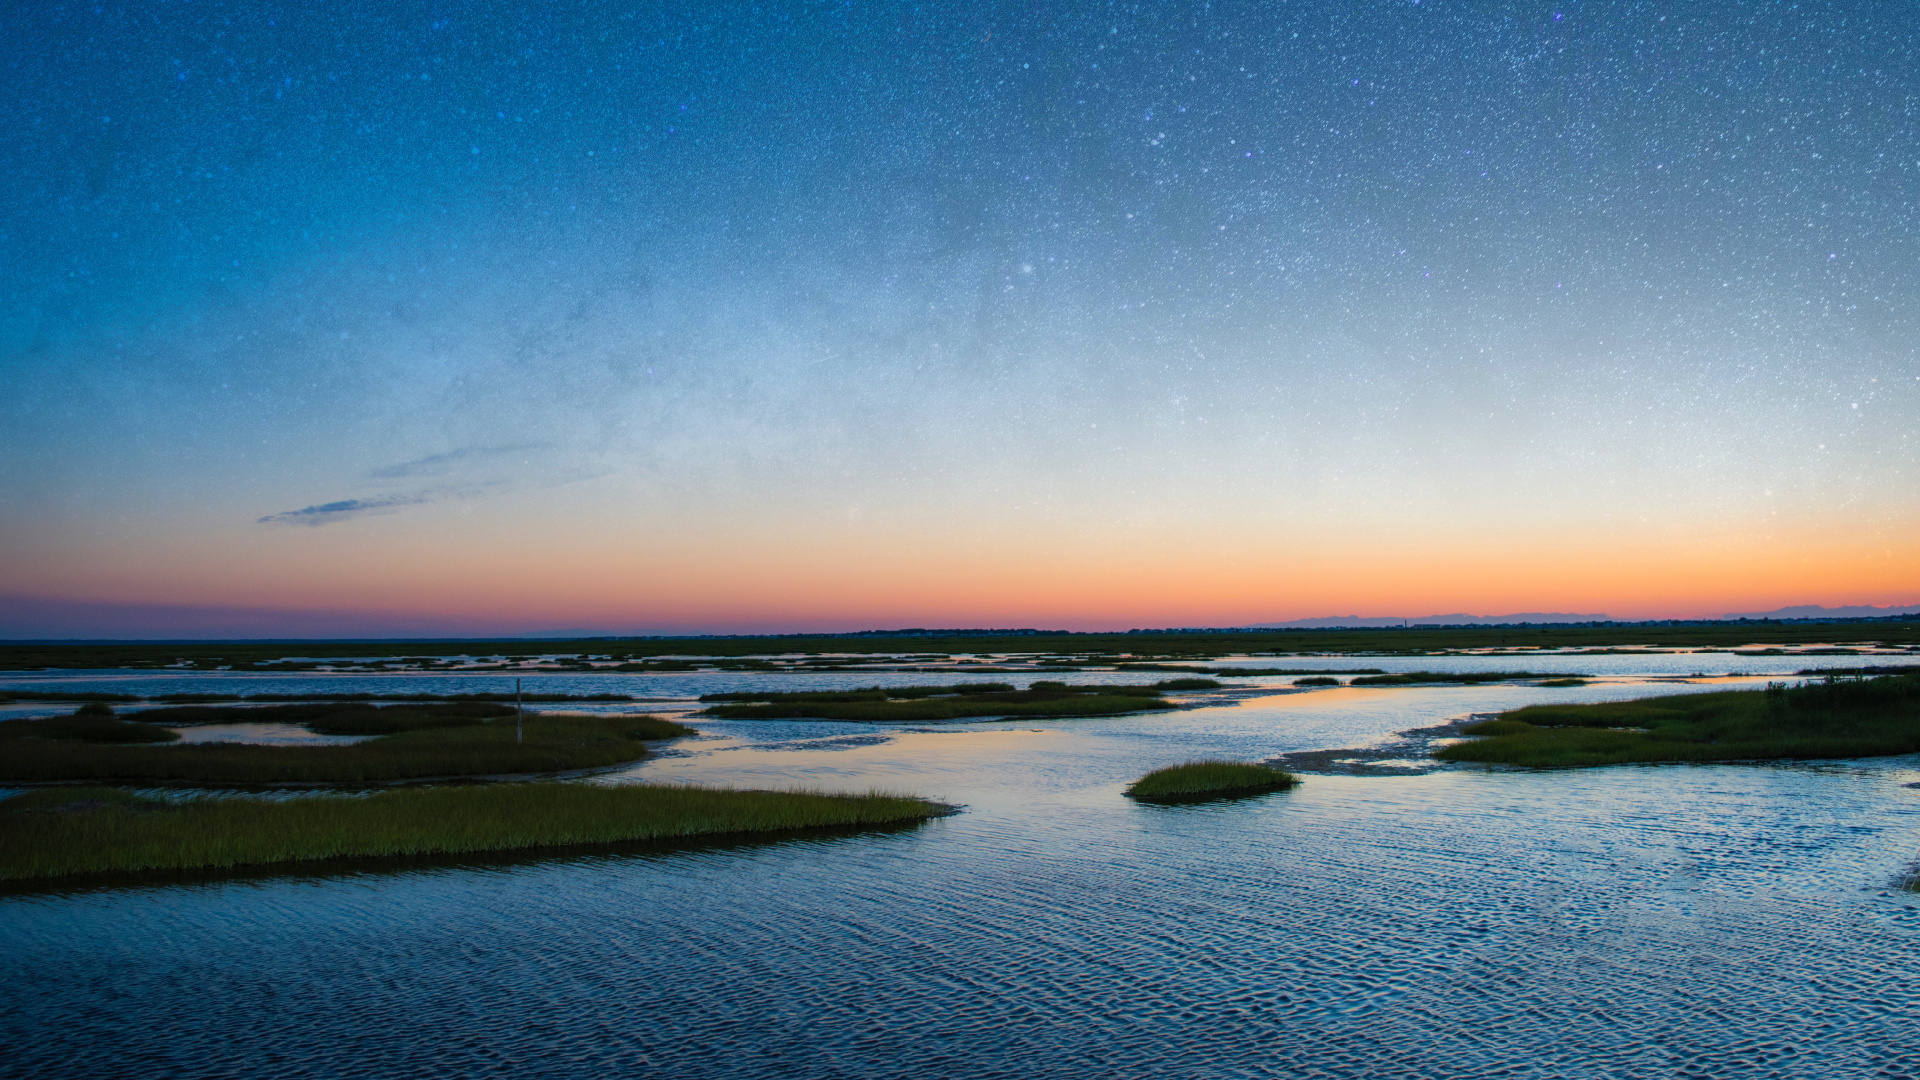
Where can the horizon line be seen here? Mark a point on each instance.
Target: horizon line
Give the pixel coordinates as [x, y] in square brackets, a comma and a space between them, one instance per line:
[920, 632]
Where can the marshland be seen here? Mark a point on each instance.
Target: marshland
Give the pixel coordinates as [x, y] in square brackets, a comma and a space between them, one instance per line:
[1835, 717]
[1041, 698]
[61, 832]
[1409, 906]
[402, 742]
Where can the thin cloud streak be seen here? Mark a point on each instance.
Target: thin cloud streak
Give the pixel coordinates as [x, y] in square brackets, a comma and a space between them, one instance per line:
[327, 513]
[440, 464]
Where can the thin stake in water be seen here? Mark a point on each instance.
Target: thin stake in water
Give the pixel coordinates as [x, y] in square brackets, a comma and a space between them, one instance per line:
[519, 714]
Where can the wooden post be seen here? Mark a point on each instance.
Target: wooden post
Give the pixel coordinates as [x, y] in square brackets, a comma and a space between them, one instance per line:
[519, 715]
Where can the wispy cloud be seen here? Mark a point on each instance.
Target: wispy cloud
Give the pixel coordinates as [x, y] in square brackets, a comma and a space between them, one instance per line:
[440, 464]
[466, 473]
[326, 513]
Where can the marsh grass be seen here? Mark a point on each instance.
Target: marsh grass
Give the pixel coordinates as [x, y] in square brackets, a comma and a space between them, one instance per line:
[1835, 719]
[871, 693]
[552, 744]
[59, 832]
[921, 703]
[1910, 879]
[336, 717]
[1205, 779]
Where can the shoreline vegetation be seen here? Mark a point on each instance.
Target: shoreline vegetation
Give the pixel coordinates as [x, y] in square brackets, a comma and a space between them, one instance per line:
[406, 742]
[52, 832]
[963, 701]
[63, 832]
[1244, 672]
[9, 697]
[1837, 718]
[1196, 780]
[751, 653]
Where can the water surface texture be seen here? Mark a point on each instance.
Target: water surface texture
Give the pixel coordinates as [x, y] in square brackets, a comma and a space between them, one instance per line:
[262, 734]
[1626, 922]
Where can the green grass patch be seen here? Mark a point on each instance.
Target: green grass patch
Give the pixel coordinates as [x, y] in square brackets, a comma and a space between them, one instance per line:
[477, 748]
[1468, 678]
[55, 833]
[920, 703]
[1837, 719]
[1201, 779]
[1562, 683]
[1317, 680]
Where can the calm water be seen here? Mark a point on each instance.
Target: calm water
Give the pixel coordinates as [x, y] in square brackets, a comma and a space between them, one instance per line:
[1673, 921]
[262, 734]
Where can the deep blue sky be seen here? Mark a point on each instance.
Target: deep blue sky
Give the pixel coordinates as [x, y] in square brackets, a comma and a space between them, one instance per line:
[988, 278]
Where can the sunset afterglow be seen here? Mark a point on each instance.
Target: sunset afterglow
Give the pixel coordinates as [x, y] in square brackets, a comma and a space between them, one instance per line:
[866, 318]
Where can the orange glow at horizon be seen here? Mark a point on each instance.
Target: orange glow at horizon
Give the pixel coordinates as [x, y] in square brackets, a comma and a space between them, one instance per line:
[823, 578]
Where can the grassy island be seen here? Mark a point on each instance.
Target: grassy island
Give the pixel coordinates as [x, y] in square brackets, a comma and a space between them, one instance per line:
[1831, 719]
[59, 832]
[914, 703]
[1209, 779]
[407, 742]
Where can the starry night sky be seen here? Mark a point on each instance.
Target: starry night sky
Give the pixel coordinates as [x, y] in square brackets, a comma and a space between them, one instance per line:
[497, 317]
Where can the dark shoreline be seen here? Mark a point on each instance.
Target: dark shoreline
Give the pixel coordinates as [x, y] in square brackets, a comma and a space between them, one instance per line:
[1131, 646]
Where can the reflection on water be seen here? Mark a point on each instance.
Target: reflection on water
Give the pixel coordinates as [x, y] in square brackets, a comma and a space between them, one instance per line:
[261, 734]
[1629, 922]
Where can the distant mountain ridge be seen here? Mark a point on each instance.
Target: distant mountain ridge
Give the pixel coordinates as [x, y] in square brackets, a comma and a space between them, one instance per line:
[1815, 611]
[1800, 611]
[1456, 619]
